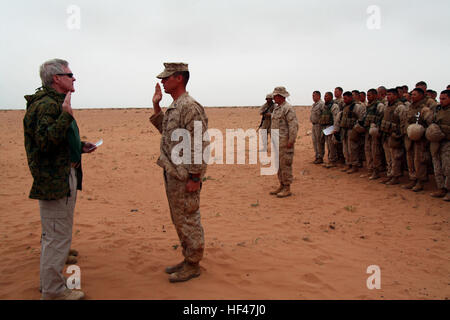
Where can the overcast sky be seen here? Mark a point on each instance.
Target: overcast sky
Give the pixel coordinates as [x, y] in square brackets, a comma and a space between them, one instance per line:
[237, 50]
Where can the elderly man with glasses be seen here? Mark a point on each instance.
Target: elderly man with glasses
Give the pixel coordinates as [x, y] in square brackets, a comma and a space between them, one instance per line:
[53, 146]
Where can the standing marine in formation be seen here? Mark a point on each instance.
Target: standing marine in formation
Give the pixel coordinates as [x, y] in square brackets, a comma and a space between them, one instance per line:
[285, 121]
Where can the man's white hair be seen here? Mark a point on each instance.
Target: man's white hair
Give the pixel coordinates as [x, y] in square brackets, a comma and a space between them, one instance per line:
[50, 68]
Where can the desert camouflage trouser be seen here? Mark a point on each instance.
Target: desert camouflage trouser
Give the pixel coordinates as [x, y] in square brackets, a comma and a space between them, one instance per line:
[286, 157]
[417, 157]
[394, 158]
[350, 148]
[318, 140]
[185, 213]
[332, 148]
[441, 164]
[372, 148]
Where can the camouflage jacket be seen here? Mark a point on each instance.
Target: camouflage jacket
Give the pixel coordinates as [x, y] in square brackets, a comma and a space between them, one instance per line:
[182, 114]
[45, 126]
[316, 111]
[285, 120]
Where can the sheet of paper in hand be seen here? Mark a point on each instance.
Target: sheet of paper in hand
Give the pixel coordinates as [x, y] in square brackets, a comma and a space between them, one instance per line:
[328, 131]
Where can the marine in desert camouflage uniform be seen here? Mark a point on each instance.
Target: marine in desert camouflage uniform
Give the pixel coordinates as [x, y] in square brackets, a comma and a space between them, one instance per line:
[266, 113]
[351, 115]
[183, 181]
[285, 121]
[417, 152]
[339, 100]
[392, 137]
[327, 118]
[441, 156]
[318, 138]
[372, 144]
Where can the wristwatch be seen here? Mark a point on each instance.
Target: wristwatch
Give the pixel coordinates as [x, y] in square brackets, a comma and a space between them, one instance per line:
[195, 179]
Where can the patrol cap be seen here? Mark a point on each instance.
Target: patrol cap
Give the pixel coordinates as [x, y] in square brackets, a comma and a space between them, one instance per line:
[280, 91]
[171, 67]
[269, 96]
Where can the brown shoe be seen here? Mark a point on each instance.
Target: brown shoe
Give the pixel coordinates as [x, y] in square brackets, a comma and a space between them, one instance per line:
[447, 197]
[374, 175]
[187, 272]
[274, 192]
[386, 180]
[71, 260]
[353, 169]
[286, 192]
[393, 181]
[418, 187]
[439, 194]
[346, 168]
[178, 267]
[410, 185]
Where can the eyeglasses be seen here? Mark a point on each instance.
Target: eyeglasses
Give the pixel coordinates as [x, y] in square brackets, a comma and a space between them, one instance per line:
[70, 75]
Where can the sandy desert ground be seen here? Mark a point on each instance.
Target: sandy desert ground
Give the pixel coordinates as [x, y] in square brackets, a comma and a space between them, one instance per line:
[316, 244]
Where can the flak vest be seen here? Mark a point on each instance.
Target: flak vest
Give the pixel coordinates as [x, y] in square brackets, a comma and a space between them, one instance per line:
[442, 119]
[349, 118]
[391, 120]
[372, 115]
[326, 118]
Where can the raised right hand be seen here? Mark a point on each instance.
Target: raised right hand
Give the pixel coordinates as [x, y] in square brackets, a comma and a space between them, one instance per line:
[157, 97]
[66, 106]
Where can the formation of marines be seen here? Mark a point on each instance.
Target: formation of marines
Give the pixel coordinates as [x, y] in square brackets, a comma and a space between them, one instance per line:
[391, 131]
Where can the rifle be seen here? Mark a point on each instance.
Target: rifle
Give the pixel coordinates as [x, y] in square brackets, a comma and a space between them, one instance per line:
[263, 116]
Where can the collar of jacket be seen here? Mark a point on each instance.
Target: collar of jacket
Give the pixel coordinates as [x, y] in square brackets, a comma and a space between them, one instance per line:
[374, 103]
[174, 104]
[416, 104]
[54, 94]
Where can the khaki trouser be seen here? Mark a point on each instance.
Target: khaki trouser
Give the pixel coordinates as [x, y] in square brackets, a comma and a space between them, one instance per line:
[185, 213]
[57, 222]
[416, 157]
[318, 140]
[373, 152]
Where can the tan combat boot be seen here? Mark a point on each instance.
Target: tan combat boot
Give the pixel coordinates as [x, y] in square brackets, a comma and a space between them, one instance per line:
[346, 167]
[274, 192]
[330, 165]
[175, 268]
[447, 197]
[286, 192]
[410, 185]
[439, 194]
[71, 260]
[393, 181]
[374, 175]
[187, 272]
[353, 169]
[318, 161]
[386, 180]
[418, 187]
[68, 294]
